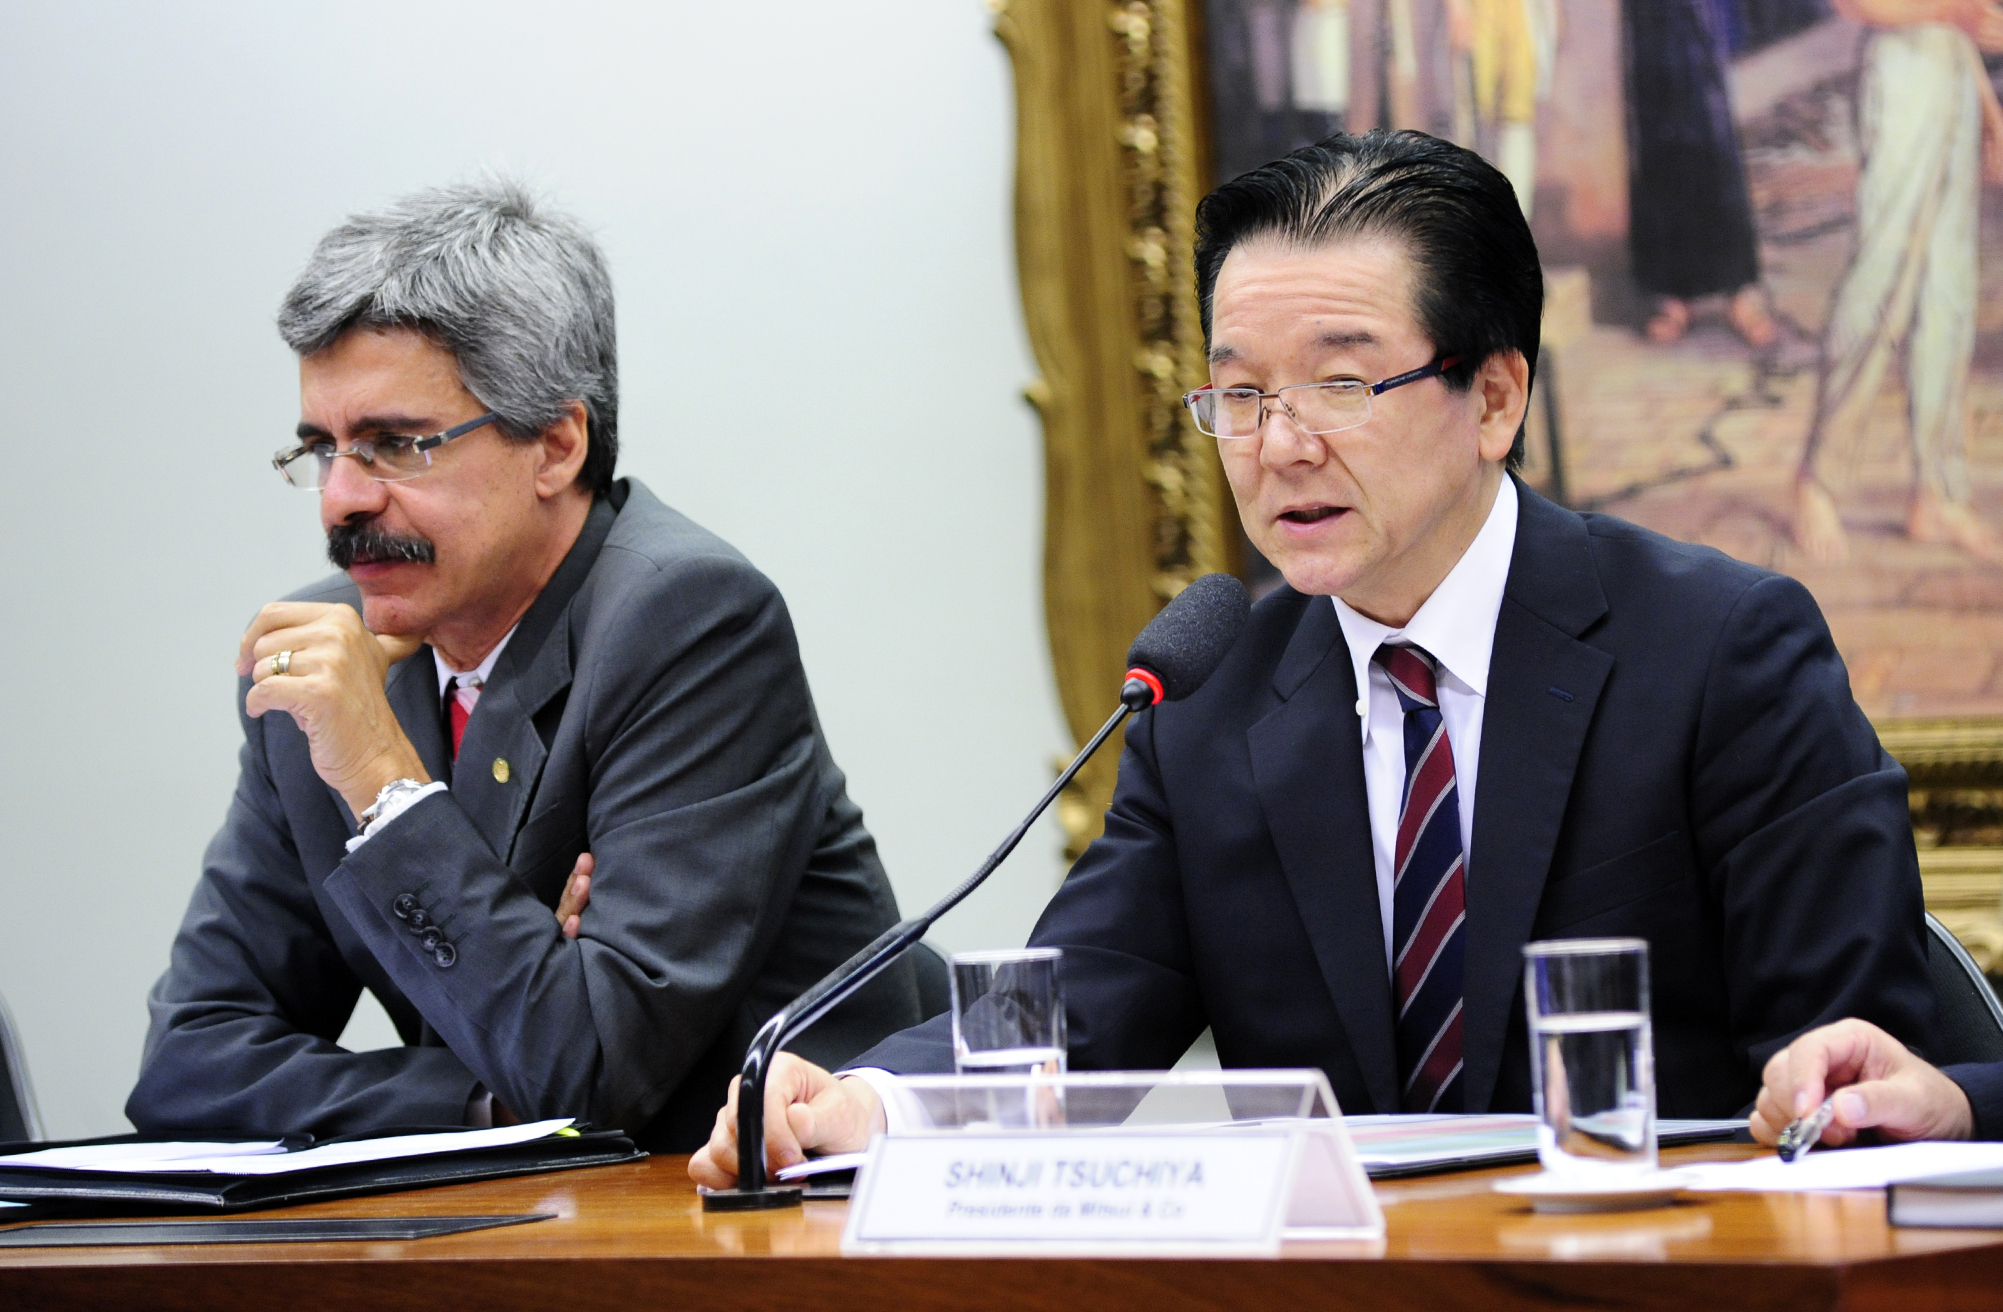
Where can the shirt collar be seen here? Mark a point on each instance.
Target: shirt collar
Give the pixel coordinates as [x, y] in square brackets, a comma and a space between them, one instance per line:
[1457, 623]
[475, 678]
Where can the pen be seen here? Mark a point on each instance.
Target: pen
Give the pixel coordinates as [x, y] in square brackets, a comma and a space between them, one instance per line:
[1798, 1138]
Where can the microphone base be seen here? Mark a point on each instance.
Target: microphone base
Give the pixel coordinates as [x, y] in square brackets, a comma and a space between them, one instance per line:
[752, 1200]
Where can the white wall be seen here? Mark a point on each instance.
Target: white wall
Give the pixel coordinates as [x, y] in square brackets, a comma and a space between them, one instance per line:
[795, 196]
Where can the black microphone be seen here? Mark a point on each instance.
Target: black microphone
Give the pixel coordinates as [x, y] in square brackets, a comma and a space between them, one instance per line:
[1186, 642]
[1174, 654]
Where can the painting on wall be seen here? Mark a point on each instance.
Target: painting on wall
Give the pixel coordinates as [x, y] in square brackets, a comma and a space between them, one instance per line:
[1774, 260]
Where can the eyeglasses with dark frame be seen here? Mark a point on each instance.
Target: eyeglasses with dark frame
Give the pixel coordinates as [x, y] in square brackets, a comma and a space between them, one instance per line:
[390, 458]
[1236, 413]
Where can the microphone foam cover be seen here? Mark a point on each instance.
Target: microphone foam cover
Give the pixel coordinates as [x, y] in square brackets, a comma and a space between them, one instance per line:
[1186, 642]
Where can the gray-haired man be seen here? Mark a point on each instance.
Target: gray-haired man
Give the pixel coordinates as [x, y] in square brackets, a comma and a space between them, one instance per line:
[535, 687]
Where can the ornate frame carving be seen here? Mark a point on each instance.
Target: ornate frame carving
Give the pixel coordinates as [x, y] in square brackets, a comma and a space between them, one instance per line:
[1112, 155]
[1109, 163]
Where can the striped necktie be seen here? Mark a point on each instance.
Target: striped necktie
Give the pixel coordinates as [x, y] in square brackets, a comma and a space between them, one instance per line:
[1429, 898]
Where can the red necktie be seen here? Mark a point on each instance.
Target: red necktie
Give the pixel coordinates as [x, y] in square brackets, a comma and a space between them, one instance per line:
[459, 705]
[1429, 898]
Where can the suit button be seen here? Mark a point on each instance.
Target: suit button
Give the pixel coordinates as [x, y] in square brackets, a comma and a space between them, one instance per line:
[431, 938]
[445, 954]
[405, 904]
[418, 919]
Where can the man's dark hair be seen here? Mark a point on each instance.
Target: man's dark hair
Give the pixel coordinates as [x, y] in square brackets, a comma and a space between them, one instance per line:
[1478, 286]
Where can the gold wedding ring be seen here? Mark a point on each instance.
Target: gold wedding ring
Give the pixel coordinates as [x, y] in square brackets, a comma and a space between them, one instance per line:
[281, 663]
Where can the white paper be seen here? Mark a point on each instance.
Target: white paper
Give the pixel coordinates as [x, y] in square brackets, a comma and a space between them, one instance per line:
[270, 1159]
[1846, 1168]
[823, 1165]
[136, 1156]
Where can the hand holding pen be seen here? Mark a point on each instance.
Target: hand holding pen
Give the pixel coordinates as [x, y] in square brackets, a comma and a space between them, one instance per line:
[1831, 1084]
[1806, 1133]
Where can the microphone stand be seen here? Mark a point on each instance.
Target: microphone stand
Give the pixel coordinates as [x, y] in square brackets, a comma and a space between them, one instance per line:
[753, 1192]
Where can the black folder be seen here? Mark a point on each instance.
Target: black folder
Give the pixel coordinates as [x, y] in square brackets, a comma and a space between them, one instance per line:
[222, 1230]
[100, 1193]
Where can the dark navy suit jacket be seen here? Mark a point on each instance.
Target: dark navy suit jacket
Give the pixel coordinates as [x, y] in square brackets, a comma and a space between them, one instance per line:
[1669, 750]
[1983, 1083]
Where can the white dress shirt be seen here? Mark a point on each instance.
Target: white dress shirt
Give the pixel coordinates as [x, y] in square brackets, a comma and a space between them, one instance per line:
[475, 678]
[1457, 626]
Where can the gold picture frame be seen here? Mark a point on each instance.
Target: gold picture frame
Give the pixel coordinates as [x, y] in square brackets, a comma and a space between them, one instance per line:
[1109, 166]
[1112, 155]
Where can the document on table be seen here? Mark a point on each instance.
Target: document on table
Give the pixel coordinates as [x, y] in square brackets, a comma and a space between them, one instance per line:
[268, 1157]
[822, 1165]
[1413, 1143]
[1845, 1168]
[137, 1156]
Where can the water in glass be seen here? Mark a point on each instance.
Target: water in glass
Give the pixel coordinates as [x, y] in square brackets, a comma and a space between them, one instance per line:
[1592, 1055]
[1596, 1092]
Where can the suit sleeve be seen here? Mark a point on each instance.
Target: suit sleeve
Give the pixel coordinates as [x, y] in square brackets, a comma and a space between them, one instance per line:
[246, 1020]
[1131, 1001]
[1983, 1083]
[1801, 821]
[707, 794]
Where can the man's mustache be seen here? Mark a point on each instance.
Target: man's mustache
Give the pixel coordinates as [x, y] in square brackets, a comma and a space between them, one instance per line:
[361, 542]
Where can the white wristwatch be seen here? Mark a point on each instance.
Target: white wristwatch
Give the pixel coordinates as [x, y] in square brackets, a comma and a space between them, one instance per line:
[391, 791]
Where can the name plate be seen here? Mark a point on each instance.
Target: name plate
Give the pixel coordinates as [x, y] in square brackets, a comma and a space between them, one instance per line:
[1230, 1192]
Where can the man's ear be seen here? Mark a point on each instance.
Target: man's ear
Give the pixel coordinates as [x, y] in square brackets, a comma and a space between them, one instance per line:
[1503, 386]
[564, 445]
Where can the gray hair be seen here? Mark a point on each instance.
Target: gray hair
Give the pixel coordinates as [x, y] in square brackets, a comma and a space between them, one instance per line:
[518, 293]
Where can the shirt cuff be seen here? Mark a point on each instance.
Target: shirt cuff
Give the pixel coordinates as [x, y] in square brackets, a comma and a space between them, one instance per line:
[395, 807]
[899, 1115]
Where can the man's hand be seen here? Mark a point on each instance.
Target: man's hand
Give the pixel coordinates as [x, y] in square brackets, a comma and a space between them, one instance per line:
[1883, 1087]
[806, 1110]
[333, 688]
[576, 897]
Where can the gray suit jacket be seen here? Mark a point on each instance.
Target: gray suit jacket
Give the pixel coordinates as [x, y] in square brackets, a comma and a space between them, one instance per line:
[652, 710]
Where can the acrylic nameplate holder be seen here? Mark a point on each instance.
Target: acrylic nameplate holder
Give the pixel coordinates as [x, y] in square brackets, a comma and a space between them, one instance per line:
[1105, 1163]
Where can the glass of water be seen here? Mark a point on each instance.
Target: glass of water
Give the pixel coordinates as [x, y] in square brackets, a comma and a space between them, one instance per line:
[1008, 1012]
[1592, 1055]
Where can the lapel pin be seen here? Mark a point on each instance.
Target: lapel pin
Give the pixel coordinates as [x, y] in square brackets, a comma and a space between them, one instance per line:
[501, 768]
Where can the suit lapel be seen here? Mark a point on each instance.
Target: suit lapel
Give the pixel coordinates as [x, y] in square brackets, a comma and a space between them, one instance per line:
[1307, 764]
[501, 757]
[1543, 685]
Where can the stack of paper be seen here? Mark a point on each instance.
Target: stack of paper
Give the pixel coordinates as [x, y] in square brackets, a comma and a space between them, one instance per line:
[269, 1157]
[1847, 1168]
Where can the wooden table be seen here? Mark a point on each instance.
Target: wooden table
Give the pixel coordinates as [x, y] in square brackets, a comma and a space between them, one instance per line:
[634, 1236]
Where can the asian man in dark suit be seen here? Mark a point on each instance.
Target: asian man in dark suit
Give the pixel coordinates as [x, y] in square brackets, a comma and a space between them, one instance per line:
[1471, 719]
[534, 688]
